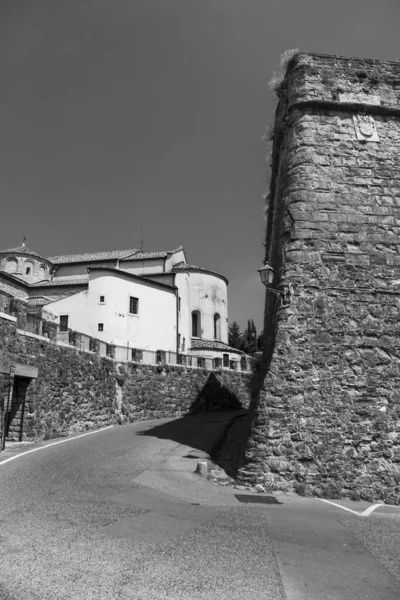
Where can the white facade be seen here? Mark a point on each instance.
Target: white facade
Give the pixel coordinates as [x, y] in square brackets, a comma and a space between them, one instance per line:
[180, 307]
[208, 297]
[103, 311]
[205, 294]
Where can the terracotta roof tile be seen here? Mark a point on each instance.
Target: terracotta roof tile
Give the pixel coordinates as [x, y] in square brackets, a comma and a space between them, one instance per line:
[212, 345]
[60, 282]
[22, 250]
[144, 255]
[92, 256]
[185, 267]
[39, 301]
[129, 254]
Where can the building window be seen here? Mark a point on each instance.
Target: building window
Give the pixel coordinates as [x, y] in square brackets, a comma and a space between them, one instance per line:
[201, 362]
[100, 327]
[183, 344]
[63, 322]
[196, 324]
[226, 360]
[179, 340]
[28, 267]
[217, 326]
[102, 299]
[179, 303]
[133, 305]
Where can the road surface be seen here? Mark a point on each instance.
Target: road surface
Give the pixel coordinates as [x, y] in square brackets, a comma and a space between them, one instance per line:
[120, 514]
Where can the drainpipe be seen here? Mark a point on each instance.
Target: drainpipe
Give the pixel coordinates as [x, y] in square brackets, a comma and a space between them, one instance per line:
[177, 321]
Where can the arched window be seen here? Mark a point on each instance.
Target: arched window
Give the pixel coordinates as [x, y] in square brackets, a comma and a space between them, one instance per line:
[12, 265]
[196, 324]
[217, 326]
[42, 271]
[28, 268]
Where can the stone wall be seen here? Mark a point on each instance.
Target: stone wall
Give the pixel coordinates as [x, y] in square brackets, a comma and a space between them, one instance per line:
[327, 416]
[76, 390]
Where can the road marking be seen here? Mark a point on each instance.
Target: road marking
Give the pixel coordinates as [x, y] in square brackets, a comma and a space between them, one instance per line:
[371, 509]
[364, 513]
[70, 439]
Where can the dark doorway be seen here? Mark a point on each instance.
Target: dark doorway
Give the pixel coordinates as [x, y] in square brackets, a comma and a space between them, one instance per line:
[14, 419]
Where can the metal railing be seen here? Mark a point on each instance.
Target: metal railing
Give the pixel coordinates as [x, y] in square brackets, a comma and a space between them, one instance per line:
[35, 324]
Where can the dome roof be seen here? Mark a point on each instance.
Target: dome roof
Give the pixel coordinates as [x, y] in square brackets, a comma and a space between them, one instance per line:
[22, 249]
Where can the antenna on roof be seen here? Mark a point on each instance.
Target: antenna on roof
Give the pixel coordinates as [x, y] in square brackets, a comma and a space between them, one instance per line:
[142, 241]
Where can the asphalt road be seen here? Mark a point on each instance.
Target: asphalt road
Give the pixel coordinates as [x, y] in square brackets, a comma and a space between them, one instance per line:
[120, 514]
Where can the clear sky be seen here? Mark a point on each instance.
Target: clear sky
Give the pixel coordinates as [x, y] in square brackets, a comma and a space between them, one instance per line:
[116, 110]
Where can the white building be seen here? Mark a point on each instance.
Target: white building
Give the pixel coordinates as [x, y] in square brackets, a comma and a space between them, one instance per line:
[146, 301]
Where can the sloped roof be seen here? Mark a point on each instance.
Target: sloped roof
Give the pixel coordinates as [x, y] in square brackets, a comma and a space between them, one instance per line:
[185, 267]
[143, 255]
[14, 279]
[212, 345]
[22, 249]
[60, 282]
[129, 254]
[39, 300]
[92, 256]
[122, 273]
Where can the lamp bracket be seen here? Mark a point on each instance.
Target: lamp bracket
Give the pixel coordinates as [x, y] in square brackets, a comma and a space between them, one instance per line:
[284, 294]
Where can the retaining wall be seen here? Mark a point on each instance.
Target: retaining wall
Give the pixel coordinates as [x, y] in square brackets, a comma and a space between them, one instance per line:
[76, 390]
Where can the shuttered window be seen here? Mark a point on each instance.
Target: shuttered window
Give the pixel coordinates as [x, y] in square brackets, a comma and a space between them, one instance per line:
[133, 305]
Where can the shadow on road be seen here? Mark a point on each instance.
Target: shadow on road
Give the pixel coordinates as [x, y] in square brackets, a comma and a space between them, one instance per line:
[204, 432]
[210, 415]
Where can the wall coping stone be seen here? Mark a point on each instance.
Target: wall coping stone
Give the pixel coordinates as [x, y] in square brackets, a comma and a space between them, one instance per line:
[35, 335]
[8, 317]
[122, 362]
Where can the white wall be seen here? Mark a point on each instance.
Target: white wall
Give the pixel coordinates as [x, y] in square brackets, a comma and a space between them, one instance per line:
[184, 317]
[167, 278]
[153, 328]
[79, 269]
[208, 294]
[174, 259]
[148, 265]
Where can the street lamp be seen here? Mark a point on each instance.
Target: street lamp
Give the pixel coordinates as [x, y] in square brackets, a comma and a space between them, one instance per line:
[267, 278]
[266, 274]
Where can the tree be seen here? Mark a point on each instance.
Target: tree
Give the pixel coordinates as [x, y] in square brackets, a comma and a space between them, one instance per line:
[234, 335]
[249, 338]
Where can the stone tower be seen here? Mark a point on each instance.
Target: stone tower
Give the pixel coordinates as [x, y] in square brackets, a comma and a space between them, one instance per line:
[327, 416]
